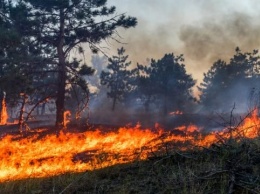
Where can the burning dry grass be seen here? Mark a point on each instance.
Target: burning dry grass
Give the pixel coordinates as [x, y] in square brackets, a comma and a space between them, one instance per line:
[40, 155]
[230, 167]
[183, 159]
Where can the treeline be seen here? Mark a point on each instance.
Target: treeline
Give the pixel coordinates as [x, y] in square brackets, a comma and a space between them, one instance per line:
[165, 85]
[237, 81]
[38, 39]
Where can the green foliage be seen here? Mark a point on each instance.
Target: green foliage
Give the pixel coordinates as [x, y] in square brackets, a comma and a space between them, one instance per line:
[86, 70]
[76, 73]
[21, 59]
[118, 77]
[223, 79]
[64, 26]
[144, 89]
[40, 35]
[80, 19]
[167, 80]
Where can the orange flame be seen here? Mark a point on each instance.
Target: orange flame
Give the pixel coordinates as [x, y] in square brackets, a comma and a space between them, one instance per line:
[251, 126]
[41, 156]
[66, 117]
[4, 115]
[189, 128]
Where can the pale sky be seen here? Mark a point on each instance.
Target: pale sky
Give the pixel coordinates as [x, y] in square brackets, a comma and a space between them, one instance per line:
[202, 30]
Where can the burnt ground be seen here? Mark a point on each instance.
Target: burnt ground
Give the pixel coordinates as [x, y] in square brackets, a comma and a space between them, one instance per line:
[169, 122]
[207, 122]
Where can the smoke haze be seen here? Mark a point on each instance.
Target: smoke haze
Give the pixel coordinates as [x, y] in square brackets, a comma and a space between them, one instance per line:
[202, 30]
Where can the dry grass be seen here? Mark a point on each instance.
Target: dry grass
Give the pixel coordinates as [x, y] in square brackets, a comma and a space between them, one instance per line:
[228, 167]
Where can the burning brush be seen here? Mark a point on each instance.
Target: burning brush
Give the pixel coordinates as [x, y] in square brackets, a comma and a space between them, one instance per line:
[41, 153]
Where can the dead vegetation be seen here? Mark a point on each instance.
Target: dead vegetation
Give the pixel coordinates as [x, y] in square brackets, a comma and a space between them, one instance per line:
[229, 166]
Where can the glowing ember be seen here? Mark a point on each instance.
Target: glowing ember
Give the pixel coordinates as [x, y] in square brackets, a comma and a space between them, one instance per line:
[42, 156]
[3, 114]
[176, 113]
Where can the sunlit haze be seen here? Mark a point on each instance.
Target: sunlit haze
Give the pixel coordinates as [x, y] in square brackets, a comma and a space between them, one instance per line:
[202, 30]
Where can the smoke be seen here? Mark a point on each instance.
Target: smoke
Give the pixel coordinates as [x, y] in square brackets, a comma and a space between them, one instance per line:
[144, 42]
[202, 30]
[206, 42]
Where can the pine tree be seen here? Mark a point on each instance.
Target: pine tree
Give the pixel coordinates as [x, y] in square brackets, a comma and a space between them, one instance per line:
[167, 81]
[117, 77]
[61, 26]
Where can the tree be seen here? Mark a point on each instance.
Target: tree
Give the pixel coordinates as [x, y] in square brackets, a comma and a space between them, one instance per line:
[8, 36]
[227, 83]
[169, 81]
[63, 25]
[23, 71]
[145, 89]
[117, 77]
[214, 82]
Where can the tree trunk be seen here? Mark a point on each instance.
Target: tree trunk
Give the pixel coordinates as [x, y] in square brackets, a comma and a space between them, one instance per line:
[114, 104]
[165, 103]
[43, 108]
[21, 119]
[60, 98]
[61, 75]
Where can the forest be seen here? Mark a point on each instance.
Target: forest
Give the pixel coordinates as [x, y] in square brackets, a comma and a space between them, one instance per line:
[40, 72]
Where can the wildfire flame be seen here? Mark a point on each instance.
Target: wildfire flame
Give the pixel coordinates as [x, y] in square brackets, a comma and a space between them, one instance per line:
[3, 114]
[66, 116]
[39, 155]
